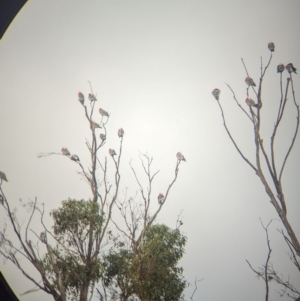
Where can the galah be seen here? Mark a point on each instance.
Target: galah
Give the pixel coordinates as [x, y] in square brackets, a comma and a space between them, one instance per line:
[250, 102]
[92, 97]
[216, 93]
[81, 98]
[180, 156]
[271, 46]
[112, 152]
[65, 152]
[160, 198]
[102, 137]
[75, 158]
[103, 113]
[280, 68]
[120, 132]
[3, 176]
[95, 125]
[290, 68]
[43, 237]
[249, 81]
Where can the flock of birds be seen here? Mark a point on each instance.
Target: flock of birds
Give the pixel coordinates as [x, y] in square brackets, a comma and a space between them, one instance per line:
[102, 136]
[94, 125]
[250, 82]
[75, 158]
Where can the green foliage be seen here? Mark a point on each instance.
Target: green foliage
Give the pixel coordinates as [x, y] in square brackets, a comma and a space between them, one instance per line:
[150, 272]
[76, 219]
[73, 223]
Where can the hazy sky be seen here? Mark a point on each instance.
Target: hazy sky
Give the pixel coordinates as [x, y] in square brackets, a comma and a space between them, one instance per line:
[153, 65]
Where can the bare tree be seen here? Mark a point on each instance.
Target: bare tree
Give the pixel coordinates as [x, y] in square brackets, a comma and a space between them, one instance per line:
[73, 266]
[267, 168]
[136, 257]
[268, 274]
[274, 187]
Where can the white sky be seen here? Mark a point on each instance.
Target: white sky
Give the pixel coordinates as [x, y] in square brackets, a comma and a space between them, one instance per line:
[153, 65]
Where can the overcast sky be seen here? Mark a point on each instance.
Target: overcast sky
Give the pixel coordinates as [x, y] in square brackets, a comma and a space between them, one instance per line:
[153, 65]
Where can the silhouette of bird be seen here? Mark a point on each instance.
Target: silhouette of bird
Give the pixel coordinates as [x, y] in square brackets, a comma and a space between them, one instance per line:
[271, 46]
[3, 176]
[250, 102]
[81, 98]
[160, 198]
[102, 137]
[280, 68]
[180, 156]
[249, 81]
[112, 152]
[216, 93]
[120, 132]
[290, 68]
[95, 125]
[92, 97]
[43, 237]
[103, 113]
[75, 158]
[65, 152]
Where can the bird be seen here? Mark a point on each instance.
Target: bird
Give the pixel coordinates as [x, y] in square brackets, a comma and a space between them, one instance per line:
[102, 136]
[160, 198]
[103, 113]
[92, 97]
[43, 237]
[65, 152]
[216, 93]
[112, 152]
[3, 176]
[120, 132]
[180, 156]
[250, 102]
[290, 68]
[249, 81]
[75, 158]
[280, 68]
[81, 98]
[95, 125]
[271, 46]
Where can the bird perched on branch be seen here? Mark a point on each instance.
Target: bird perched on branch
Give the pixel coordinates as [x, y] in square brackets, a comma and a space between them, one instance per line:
[43, 237]
[102, 137]
[280, 68]
[180, 156]
[160, 198]
[120, 132]
[290, 68]
[75, 158]
[112, 152]
[95, 125]
[250, 102]
[81, 98]
[249, 81]
[65, 152]
[103, 112]
[271, 46]
[216, 93]
[92, 97]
